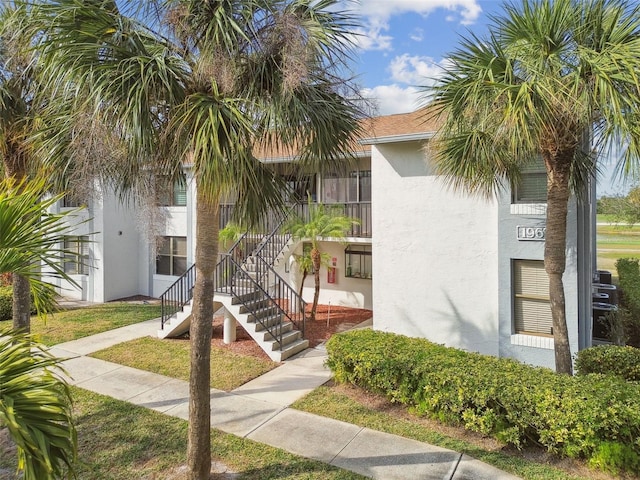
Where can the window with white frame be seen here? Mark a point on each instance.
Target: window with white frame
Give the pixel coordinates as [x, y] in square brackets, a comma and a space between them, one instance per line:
[357, 258]
[532, 187]
[76, 255]
[172, 256]
[531, 306]
[174, 195]
[356, 187]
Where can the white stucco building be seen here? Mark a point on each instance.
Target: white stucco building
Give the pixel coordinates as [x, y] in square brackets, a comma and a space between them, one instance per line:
[429, 261]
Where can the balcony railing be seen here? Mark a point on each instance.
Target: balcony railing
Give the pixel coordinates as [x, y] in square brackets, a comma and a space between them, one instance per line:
[360, 211]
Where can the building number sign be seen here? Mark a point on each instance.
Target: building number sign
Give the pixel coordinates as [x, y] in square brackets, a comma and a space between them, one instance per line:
[532, 233]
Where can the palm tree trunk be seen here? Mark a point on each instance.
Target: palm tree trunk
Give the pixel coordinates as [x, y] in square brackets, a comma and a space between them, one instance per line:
[555, 260]
[304, 277]
[316, 258]
[21, 303]
[199, 441]
[15, 167]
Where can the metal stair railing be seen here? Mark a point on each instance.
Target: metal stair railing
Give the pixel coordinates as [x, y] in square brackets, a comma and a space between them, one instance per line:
[177, 295]
[180, 292]
[229, 267]
[231, 279]
[272, 244]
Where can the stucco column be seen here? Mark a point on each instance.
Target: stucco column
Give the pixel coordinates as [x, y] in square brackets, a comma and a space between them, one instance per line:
[229, 329]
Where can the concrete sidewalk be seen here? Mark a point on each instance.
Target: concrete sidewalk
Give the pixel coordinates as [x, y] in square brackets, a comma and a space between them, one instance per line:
[259, 411]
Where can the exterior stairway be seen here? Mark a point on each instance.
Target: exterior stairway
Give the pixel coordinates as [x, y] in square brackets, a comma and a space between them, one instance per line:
[251, 291]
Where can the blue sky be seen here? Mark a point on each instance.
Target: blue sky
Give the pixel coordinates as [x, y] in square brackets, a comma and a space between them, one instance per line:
[402, 43]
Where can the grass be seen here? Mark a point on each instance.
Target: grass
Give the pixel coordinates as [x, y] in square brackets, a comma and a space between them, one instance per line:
[171, 358]
[73, 324]
[616, 241]
[329, 402]
[120, 441]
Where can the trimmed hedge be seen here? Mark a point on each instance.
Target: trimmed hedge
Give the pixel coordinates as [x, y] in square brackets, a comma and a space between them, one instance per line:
[596, 417]
[629, 278]
[6, 303]
[629, 283]
[610, 360]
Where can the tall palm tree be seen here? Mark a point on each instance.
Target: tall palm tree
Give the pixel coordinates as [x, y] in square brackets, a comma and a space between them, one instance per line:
[198, 85]
[17, 97]
[556, 80]
[322, 223]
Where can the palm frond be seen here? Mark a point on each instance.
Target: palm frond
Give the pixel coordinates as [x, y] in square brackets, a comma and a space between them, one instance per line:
[549, 74]
[35, 407]
[32, 238]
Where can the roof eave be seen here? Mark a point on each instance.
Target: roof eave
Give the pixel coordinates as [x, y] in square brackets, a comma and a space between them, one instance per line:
[411, 137]
[294, 158]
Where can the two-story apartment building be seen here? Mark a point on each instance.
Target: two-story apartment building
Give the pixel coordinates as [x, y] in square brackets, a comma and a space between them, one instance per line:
[429, 261]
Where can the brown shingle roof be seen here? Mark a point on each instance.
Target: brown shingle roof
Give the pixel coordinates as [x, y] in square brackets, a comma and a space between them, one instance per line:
[402, 124]
[399, 125]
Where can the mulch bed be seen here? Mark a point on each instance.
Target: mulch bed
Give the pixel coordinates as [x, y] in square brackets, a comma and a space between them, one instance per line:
[330, 319]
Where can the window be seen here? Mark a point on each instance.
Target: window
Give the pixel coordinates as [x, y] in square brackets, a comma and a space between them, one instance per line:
[69, 201]
[532, 310]
[76, 255]
[532, 187]
[301, 187]
[358, 261]
[175, 196]
[356, 187]
[172, 257]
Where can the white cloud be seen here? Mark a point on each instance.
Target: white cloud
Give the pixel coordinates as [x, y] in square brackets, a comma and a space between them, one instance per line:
[372, 38]
[415, 70]
[417, 35]
[466, 10]
[376, 14]
[393, 98]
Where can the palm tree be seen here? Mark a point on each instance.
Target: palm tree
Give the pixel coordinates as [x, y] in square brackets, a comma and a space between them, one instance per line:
[322, 223]
[17, 92]
[198, 85]
[556, 80]
[32, 238]
[35, 403]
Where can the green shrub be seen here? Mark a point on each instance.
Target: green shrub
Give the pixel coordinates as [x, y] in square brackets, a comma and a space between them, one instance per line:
[6, 303]
[610, 360]
[592, 416]
[629, 282]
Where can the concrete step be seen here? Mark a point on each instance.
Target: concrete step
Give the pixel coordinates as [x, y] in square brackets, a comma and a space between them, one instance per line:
[263, 313]
[291, 349]
[244, 295]
[255, 304]
[266, 322]
[266, 335]
[287, 339]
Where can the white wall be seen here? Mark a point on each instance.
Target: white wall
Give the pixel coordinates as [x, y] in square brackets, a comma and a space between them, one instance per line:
[123, 241]
[435, 254]
[348, 292]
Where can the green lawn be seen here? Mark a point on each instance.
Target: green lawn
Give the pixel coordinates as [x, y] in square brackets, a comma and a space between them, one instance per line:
[120, 441]
[72, 324]
[171, 358]
[616, 241]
